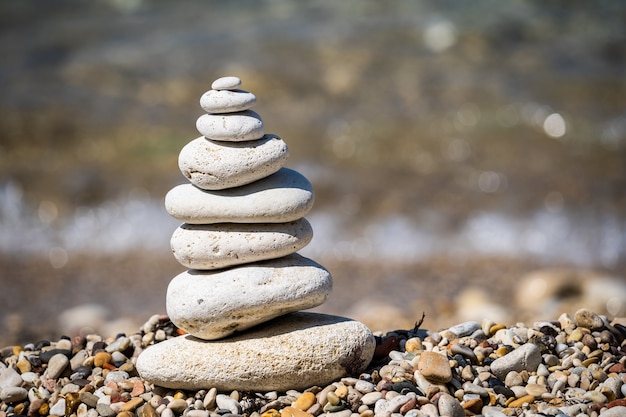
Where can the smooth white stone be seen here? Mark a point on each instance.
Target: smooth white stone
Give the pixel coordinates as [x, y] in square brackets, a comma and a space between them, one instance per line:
[214, 304]
[282, 197]
[295, 351]
[231, 127]
[226, 83]
[213, 246]
[227, 101]
[214, 165]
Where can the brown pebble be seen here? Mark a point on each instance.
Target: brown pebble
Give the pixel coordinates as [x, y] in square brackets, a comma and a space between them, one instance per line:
[435, 367]
[271, 413]
[132, 404]
[305, 401]
[125, 414]
[101, 358]
[475, 405]
[19, 409]
[618, 368]
[147, 411]
[294, 412]
[138, 388]
[407, 406]
[521, 401]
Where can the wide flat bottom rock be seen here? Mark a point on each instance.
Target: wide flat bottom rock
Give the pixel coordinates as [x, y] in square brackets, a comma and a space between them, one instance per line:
[295, 351]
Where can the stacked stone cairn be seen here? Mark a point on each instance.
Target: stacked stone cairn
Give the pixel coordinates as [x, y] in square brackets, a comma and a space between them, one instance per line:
[240, 301]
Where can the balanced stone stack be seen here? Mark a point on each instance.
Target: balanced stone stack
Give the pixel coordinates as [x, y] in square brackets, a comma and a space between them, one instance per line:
[241, 299]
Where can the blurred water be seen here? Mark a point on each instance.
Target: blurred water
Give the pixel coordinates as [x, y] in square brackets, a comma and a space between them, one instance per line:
[140, 223]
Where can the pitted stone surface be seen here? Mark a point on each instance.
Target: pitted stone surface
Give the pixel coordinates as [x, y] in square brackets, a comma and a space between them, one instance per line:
[231, 127]
[227, 101]
[295, 351]
[220, 245]
[214, 165]
[214, 304]
[282, 197]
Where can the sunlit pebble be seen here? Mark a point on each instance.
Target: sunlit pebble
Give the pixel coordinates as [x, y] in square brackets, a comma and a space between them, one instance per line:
[440, 35]
[554, 125]
[58, 257]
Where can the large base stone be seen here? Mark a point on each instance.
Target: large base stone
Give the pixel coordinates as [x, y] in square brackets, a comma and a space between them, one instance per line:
[295, 351]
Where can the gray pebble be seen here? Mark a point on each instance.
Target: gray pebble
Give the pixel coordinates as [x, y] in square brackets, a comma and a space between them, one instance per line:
[364, 387]
[465, 329]
[78, 359]
[13, 394]
[9, 378]
[450, 406]
[116, 376]
[619, 411]
[56, 365]
[527, 357]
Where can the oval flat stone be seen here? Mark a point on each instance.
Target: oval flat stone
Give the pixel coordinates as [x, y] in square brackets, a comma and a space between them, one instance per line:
[282, 197]
[295, 351]
[214, 304]
[227, 101]
[231, 127]
[226, 83]
[213, 246]
[213, 165]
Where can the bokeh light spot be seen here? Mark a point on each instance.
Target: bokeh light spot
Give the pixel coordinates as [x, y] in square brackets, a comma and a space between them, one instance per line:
[554, 125]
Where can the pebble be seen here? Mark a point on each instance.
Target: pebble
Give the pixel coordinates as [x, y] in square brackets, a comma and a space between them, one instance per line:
[305, 401]
[226, 83]
[227, 101]
[213, 165]
[588, 319]
[13, 394]
[282, 197]
[208, 304]
[527, 357]
[215, 246]
[450, 406]
[56, 365]
[435, 367]
[231, 127]
[58, 409]
[9, 378]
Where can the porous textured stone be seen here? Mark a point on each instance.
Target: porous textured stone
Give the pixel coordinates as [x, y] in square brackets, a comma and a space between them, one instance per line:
[231, 127]
[214, 304]
[213, 165]
[294, 351]
[214, 246]
[282, 197]
[227, 101]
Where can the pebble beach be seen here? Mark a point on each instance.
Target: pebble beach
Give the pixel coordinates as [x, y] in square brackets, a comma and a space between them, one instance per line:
[573, 365]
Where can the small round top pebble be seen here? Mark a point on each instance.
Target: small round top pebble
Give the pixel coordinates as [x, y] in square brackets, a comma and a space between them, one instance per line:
[226, 83]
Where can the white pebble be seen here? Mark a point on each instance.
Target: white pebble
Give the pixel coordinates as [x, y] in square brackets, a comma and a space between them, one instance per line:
[226, 83]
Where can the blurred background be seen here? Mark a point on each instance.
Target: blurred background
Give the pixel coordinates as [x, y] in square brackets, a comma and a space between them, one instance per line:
[468, 158]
